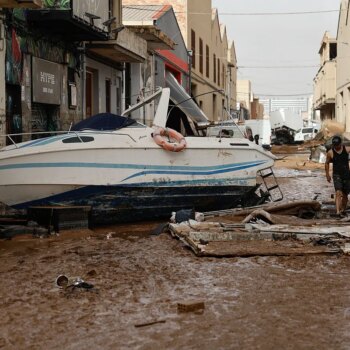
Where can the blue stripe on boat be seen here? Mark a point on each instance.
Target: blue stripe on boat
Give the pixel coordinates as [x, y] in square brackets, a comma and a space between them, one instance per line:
[131, 166]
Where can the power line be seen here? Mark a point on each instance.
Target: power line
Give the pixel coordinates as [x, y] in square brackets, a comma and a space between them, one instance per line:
[236, 13]
[275, 13]
[278, 67]
[274, 95]
[283, 95]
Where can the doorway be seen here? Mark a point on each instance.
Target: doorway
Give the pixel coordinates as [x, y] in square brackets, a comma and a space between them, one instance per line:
[13, 112]
[89, 93]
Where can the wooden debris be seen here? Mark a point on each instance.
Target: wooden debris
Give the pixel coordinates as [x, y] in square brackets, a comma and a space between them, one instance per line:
[287, 208]
[278, 219]
[261, 248]
[228, 236]
[270, 229]
[190, 306]
[343, 231]
[346, 248]
[227, 240]
[149, 323]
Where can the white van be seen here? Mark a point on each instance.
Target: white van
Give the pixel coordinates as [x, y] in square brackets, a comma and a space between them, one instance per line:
[304, 134]
[261, 127]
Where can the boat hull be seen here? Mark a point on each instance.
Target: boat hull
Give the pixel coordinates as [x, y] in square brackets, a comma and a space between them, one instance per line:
[127, 177]
[113, 204]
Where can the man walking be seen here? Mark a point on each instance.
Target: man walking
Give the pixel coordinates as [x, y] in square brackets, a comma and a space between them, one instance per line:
[339, 156]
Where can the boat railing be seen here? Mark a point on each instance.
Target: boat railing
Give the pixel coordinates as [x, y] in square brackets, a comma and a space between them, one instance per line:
[78, 134]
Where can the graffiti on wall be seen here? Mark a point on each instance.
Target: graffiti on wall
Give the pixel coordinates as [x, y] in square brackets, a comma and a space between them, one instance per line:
[44, 117]
[13, 58]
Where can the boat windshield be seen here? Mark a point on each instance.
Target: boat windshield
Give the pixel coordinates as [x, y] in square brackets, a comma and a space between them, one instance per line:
[105, 122]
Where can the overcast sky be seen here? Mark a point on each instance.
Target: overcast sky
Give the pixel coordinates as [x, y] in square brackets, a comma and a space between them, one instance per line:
[284, 40]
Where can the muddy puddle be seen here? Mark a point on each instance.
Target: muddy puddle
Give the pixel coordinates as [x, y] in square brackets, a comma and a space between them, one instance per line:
[298, 302]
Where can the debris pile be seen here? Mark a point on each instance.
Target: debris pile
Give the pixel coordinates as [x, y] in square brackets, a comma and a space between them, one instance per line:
[294, 228]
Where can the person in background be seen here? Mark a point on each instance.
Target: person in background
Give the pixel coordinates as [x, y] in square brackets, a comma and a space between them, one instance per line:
[339, 156]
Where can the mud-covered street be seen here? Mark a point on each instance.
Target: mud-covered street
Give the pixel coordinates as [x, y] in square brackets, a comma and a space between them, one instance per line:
[300, 302]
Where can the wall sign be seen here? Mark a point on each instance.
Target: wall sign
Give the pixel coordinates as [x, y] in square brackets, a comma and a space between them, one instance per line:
[46, 80]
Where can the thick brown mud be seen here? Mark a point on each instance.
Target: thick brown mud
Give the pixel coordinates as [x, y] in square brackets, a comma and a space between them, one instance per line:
[298, 302]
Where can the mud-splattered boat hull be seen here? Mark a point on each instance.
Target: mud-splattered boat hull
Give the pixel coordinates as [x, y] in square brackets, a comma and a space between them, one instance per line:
[113, 204]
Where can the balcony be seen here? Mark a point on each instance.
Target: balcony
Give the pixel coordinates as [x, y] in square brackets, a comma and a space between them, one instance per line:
[325, 85]
[13, 4]
[75, 20]
[127, 47]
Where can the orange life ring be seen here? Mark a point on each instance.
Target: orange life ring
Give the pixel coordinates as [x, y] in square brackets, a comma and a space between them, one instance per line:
[160, 133]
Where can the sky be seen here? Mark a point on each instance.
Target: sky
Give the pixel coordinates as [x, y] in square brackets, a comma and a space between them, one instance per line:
[280, 40]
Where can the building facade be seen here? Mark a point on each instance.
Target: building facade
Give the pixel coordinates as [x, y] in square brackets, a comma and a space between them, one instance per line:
[343, 68]
[297, 105]
[257, 109]
[325, 80]
[245, 96]
[65, 62]
[211, 56]
[166, 57]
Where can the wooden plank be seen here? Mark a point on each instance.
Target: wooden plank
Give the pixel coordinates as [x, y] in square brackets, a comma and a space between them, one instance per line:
[343, 231]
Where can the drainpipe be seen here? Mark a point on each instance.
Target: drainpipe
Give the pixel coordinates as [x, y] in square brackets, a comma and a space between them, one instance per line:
[190, 53]
[144, 67]
[83, 81]
[229, 67]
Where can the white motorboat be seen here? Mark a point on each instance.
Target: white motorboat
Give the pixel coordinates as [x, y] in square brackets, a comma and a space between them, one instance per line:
[124, 175]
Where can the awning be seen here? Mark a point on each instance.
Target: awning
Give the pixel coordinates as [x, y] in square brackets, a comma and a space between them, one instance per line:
[156, 39]
[183, 101]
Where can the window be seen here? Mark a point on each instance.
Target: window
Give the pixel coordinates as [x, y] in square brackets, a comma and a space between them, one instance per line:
[89, 93]
[223, 75]
[218, 71]
[119, 96]
[207, 63]
[79, 139]
[193, 48]
[214, 67]
[333, 50]
[72, 89]
[200, 55]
